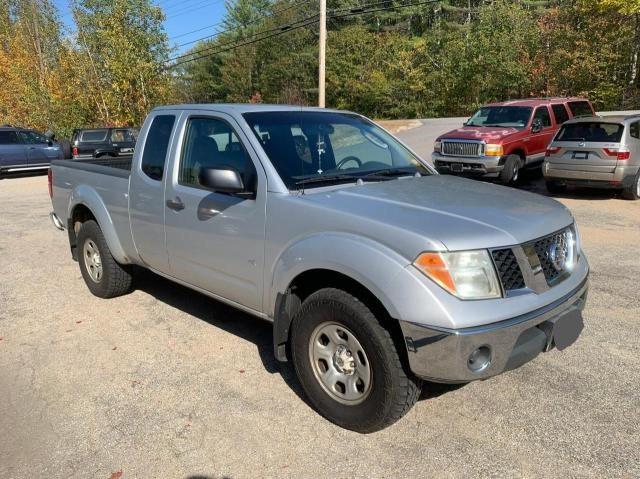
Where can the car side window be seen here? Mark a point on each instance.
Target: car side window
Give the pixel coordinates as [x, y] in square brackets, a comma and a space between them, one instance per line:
[542, 114]
[32, 138]
[154, 154]
[560, 113]
[634, 129]
[212, 143]
[580, 108]
[8, 138]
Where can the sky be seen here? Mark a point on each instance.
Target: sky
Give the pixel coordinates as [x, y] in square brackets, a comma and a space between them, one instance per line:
[182, 17]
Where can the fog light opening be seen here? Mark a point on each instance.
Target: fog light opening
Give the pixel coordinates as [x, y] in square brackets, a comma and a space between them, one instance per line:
[479, 359]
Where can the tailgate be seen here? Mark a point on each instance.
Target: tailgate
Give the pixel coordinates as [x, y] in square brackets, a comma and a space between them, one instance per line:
[593, 157]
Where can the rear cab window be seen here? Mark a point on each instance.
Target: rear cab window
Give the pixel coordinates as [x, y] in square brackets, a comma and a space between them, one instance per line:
[580, 108]
[120, 135]
[156, 145]
[93, 136]
[591, 132]
[560, 113]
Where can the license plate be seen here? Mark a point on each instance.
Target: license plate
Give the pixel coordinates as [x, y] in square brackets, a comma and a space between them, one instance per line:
[457, 167]
[126, 150]
[567, 329]
[580, 155]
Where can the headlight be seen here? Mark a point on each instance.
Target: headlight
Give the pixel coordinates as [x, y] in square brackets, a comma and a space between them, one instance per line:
[437, 146]
[465, 274]
[493, 150]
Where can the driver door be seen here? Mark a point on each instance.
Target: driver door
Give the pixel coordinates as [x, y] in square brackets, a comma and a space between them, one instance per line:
[215, 241]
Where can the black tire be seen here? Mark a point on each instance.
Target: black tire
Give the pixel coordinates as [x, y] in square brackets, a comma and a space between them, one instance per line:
[555, 187]
[632, 192]
[115, 279]
[66, 149]
[510, 174]
[393, 390]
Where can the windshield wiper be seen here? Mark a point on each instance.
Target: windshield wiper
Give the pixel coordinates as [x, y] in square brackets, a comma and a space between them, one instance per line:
[325, 179]
[388, 173]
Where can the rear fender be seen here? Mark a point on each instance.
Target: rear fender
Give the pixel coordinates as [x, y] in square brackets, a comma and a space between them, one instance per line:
[89, 197]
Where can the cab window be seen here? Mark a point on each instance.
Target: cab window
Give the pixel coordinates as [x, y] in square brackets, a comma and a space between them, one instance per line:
[560, 113]
[542, 114]
[154, 154]
[212, 143]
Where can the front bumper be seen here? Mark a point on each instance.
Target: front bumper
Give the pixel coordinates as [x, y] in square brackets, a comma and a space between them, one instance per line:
[442, 355]
[484, 166]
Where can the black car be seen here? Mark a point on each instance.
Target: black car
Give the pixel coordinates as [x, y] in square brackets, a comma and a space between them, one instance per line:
[103, 142]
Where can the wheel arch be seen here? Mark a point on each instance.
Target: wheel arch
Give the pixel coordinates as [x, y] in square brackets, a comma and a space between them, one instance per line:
[309, 281]
[86, 205]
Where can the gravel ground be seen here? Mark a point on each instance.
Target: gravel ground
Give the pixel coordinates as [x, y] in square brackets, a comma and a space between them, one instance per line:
[165, 382]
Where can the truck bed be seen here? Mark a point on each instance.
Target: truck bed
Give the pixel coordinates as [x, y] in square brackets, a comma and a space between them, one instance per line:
[112, 166]
[106, 179]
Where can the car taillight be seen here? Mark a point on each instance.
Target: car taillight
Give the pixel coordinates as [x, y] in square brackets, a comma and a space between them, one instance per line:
[50, 182]
[552, 150]
[622, 154]
[75, 151]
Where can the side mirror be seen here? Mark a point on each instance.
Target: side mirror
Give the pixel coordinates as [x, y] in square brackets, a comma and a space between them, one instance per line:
[537, 126]
[49, 142]
[223, 180]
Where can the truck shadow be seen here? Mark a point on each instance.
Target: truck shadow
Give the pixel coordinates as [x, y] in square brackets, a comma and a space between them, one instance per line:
[219, 315]
[243, 325]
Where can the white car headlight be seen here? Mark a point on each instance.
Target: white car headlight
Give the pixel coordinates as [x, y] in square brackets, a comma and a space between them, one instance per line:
[465, 274]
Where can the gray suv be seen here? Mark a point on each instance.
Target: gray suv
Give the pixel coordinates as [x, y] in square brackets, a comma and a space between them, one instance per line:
[26, 150]
[602, 152]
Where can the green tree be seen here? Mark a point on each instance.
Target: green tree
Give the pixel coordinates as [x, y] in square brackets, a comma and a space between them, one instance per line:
[125, 49]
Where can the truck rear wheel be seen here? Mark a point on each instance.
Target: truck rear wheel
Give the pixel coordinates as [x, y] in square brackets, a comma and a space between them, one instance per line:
[102, 274]
[348, 364]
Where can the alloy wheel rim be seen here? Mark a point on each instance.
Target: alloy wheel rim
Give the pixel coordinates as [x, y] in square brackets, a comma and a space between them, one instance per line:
[340, 363]
[92, 260]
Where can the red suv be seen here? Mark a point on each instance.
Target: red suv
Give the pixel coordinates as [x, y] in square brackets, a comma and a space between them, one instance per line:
[502, 138]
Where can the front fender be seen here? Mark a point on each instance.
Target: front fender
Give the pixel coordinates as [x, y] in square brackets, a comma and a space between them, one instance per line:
[89, 197]
[368, 262]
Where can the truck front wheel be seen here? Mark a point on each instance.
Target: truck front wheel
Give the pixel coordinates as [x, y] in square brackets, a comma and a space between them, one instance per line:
[348, 364]
[510, 173]
[102, 274]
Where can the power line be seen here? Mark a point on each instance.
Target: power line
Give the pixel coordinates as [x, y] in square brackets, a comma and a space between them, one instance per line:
[280, 28]
[257, 20]
[313, 20]
[362, 10]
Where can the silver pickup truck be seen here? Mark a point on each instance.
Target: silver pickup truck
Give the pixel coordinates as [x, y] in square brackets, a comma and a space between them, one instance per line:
[376, 272]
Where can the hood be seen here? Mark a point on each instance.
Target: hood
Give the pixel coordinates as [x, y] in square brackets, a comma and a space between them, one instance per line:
[456, 212]
[488, 134]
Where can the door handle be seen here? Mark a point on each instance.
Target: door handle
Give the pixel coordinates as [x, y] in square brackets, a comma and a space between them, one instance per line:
[176, 204]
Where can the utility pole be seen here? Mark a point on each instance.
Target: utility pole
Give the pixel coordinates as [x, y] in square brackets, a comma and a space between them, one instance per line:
[322, 51]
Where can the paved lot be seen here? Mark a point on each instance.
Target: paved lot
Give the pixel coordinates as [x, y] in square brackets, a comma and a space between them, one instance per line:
[167, 383]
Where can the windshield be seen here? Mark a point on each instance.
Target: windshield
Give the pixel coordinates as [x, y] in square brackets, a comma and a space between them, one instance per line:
[501, 116]
[315, 148]
[592, 132]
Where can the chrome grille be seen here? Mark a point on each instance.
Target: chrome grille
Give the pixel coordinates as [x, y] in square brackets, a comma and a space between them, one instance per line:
[462, 148]
[508, 269]
[554, 252]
